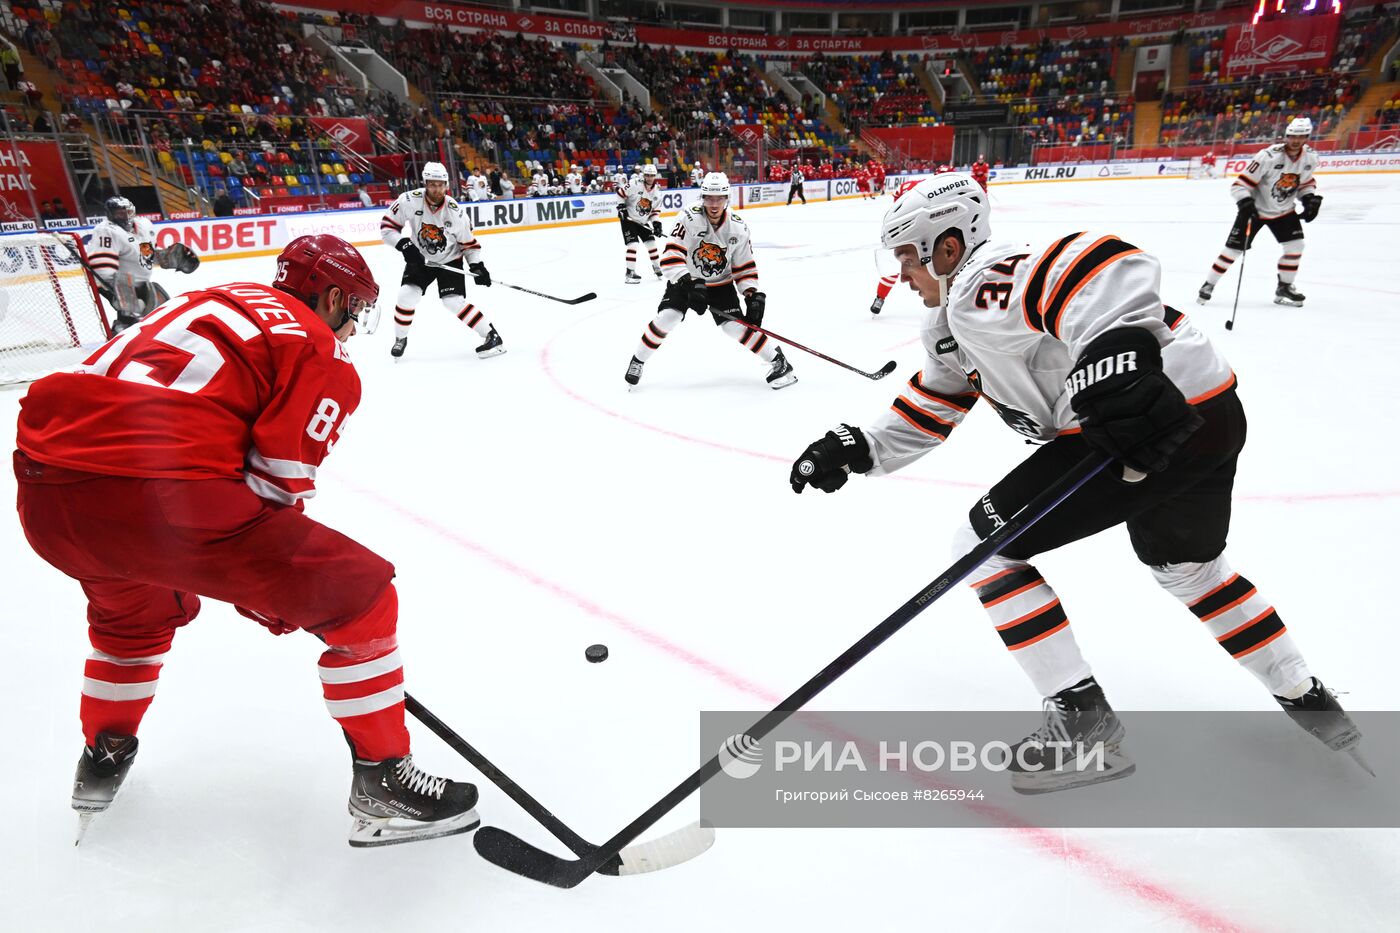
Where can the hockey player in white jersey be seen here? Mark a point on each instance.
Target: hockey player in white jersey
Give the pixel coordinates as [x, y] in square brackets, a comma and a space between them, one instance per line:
[697, 174]
[708, 261]
[434, 234]
[574, 180]
[1264, 195]
[1070, 344]
[122, 256]
[639, 212]
[480, 190]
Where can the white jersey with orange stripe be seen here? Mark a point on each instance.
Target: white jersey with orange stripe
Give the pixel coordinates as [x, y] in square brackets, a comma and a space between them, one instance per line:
[1016, 320]
[643, 203]
[441, 234]
[716, 254]
[1275, 181]
[114, 250]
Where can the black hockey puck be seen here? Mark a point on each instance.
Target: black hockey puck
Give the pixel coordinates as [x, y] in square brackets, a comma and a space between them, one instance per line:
[596, 653]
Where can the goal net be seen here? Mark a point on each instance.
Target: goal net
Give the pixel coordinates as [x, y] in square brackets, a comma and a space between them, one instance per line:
[49, 314]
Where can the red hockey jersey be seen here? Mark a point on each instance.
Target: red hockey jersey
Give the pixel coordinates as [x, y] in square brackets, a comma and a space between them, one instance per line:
[238, 381]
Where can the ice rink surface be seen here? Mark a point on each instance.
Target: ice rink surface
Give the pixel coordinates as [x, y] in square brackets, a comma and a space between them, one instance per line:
[533, 506]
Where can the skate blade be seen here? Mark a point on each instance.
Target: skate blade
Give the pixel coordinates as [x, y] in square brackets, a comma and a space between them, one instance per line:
[1040, 782]
[85, 818]
[783, 382]
[368, 833]
[1286, 302]
[487, 354]
[1357, 757]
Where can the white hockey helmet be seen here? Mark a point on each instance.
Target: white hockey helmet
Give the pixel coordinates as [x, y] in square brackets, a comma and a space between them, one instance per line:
[1299, 126]
[649, 170]
[434, 171]
[715, 183]
[929, 210]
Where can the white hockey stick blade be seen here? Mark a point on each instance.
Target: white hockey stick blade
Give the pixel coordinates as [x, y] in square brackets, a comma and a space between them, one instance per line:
[665, 851]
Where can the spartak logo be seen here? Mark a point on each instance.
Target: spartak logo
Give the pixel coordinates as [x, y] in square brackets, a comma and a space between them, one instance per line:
[526, 22]
[1277, 48]
[343, 133]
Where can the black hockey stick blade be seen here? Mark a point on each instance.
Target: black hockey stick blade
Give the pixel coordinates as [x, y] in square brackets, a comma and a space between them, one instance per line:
[563, 301]
[519, 857]
[881, 373]
[515, 855]
[665, 851]
[520, 288]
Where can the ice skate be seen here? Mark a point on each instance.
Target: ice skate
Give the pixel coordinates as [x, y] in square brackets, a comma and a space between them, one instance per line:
[392, 801]
[1286, 294]
[494, 345]
[100, 773]
[1319, 714]
[1204, 294]
[124, 321]
[1081, 717]
[632, 277]
[657, 270]
[634, 371]
[780, 374]
[399, 346]
[876, 305]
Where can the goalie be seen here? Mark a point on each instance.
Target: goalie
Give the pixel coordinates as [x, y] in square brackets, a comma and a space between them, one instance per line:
[122, 255]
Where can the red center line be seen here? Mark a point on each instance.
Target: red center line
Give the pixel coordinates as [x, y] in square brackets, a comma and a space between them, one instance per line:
[1102, 867]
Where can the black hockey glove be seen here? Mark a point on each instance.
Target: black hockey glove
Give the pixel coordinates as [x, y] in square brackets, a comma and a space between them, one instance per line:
[1247, 208]
[412, 255]
[479, 274]
[1312, 203]
[656, 227]
[622, 212]
[827, 463]
[179, 257]
[754, 303]
[697, 296]
[1127, 406]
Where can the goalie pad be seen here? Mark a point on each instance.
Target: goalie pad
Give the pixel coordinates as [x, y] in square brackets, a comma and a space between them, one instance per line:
[178, 256]
[155, 296]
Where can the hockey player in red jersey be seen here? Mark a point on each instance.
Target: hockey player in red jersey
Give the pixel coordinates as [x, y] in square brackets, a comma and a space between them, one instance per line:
[1070, 344]
[877, 177]
[173, 464]
[861, 175]
[981, 170]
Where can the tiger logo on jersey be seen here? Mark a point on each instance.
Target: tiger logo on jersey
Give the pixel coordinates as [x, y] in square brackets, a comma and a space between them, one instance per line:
[644, 205]
[1285, 186]
[710, 258]
[148, 255]
[431, 238]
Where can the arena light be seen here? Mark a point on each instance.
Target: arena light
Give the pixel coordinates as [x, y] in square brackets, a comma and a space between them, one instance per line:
[1258, 12]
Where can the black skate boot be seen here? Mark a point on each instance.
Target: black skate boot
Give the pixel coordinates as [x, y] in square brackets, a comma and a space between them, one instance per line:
[1081, 717]
[399, 346]
[1286, 294]
[634, 371]
[1319, 714]
[100, 773]
[392, 801]
[494, 345]
[1204, 294]
[876, 305]
[780, 374]
[632, 277]
[124, 321]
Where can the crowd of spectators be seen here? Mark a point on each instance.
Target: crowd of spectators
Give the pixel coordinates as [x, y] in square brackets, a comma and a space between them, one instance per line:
[1256, 110]
[877, 90]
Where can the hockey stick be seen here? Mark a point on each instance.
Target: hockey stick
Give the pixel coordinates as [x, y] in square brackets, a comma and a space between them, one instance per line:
[515, 855]
[676, 847]
[881, 373]
[1244, 254]
[520, 288]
